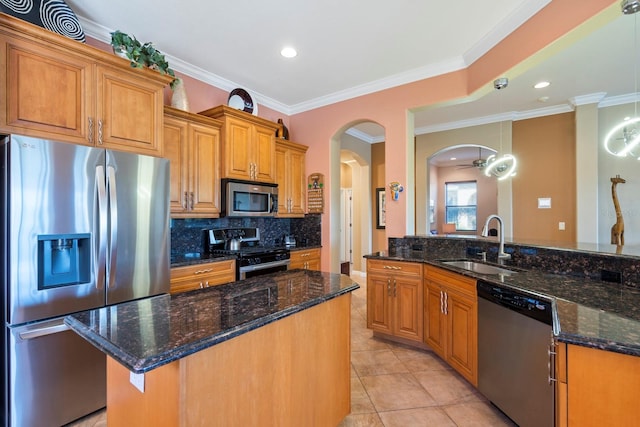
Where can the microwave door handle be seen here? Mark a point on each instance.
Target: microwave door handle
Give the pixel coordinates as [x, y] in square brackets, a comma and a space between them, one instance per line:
[113, 221]
[101, 238]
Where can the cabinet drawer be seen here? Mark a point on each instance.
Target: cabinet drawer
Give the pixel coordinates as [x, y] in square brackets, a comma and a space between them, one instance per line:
[456, 281]
[210, 274]
[395, 267]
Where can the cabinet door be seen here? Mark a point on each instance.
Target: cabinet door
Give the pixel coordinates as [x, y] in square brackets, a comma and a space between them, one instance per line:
[314, 264]
[176, 150]
[408, 317]
[263, 157]
[297, 182]
[434, 321]
[47, 92]
[204, 165]
[129, 112]
[237, 149]
[282, 176]
[462, 333]
[378, 303]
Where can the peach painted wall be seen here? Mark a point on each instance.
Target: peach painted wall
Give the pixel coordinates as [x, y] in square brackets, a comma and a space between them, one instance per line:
[547, 147]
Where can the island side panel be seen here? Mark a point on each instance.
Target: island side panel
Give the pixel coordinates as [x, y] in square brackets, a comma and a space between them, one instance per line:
[157, 406]
[292, 372]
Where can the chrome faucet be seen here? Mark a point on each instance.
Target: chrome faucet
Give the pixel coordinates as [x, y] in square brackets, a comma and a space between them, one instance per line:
[502, 256]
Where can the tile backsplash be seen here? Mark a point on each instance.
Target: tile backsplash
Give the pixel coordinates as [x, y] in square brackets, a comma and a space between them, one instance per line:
[187, 236]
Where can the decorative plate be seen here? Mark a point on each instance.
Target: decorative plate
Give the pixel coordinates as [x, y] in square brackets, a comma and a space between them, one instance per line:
[241, 100]
[54, 15]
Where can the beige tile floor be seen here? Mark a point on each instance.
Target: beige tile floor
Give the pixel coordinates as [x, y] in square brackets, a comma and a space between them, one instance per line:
[393, 385]
[397, 386]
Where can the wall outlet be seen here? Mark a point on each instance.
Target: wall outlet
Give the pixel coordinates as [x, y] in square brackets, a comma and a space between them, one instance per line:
[611, 276]
[137, 380]
[561, 225]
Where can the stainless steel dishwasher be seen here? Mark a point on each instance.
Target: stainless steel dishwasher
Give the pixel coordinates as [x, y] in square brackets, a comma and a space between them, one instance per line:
[515, 355]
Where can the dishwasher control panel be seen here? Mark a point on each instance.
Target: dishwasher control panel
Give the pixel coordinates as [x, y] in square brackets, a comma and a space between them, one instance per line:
[526, 304]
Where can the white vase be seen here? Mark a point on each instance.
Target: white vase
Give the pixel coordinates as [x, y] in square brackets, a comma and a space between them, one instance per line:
[179, 98]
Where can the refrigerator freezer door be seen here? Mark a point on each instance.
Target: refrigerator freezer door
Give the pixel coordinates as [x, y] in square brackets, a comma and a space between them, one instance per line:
[138, 252]
[48, 227]
[55, 376]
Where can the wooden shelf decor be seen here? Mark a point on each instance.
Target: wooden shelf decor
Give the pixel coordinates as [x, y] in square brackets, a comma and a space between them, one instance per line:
[315, 193]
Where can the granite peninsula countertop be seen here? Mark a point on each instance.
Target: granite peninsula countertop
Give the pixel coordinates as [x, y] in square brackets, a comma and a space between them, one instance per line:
[587, 312]
[151, 332]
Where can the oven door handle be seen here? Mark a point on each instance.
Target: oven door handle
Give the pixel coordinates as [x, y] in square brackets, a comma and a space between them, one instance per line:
[264, 266]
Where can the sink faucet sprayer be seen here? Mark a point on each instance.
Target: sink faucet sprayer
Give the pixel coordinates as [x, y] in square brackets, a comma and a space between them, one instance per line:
[502, 256]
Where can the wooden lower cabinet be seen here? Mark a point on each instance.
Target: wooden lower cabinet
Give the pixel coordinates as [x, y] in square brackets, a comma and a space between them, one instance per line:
[306, 259]
[202, 275]
[394, 298]
[451, 320]
[596, 387]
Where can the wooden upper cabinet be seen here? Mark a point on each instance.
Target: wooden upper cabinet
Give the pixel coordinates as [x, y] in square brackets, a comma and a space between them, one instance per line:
[192, 145]
[59, 88]
[128, 112]
[291, 178]
[248, 147]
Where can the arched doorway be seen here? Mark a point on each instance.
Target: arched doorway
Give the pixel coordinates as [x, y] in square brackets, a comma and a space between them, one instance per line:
[453, 166]
[351, 189]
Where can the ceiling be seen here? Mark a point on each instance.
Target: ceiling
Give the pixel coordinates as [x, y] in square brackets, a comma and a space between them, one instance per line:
[348, 49]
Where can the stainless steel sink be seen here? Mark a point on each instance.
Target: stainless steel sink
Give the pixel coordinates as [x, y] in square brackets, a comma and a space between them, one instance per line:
[478, 267]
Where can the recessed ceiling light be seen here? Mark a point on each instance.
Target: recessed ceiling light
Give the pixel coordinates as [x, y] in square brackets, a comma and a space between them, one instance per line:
[288, 52]
[453, 158]
[541, 85]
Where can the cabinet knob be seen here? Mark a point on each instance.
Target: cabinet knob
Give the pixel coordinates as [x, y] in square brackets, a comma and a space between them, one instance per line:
[184, 201]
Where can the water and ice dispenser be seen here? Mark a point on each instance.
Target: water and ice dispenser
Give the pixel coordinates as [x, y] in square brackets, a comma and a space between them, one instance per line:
[63, 259]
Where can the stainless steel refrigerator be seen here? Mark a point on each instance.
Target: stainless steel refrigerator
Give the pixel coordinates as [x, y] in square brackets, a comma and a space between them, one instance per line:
[80, 228]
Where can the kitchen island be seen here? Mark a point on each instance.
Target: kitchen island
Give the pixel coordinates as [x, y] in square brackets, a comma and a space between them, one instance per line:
[271, 350]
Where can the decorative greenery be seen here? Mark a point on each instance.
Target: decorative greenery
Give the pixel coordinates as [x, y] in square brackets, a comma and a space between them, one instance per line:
[141, 55]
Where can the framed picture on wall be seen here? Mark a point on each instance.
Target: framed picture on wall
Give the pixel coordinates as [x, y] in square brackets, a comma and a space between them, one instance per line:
[381, 208]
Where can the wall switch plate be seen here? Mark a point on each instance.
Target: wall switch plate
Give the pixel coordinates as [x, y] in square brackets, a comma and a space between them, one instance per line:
[137, 380]
[544, 202]
[561, 225]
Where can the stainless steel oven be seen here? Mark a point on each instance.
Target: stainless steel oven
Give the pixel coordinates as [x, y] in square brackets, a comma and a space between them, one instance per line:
[248, 271]
[252, 257]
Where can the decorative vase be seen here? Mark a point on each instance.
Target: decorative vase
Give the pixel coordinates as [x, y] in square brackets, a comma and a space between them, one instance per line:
[179, 98]
[121, 53]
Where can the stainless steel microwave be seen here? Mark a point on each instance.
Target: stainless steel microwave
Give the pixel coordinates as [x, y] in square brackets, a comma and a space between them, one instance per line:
[248, 198]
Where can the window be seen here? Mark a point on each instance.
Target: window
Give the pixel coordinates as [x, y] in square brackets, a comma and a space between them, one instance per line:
[461, 204]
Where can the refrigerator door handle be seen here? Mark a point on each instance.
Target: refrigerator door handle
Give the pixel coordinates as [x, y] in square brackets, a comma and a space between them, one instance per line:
[113, 215]
[50, 329]
[102, 224]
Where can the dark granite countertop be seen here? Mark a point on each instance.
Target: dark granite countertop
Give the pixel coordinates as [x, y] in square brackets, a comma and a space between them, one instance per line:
[304, 248]
[586, 312]
[193, 258]
[151, 332]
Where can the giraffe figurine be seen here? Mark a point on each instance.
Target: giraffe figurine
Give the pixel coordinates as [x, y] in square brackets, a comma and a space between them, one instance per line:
[617, 231]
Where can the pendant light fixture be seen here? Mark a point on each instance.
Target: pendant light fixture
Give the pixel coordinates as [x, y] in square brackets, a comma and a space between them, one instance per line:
[504, 166]
[623, 138]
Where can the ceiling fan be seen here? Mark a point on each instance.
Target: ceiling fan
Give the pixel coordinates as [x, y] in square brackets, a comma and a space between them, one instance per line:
[477, 163]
